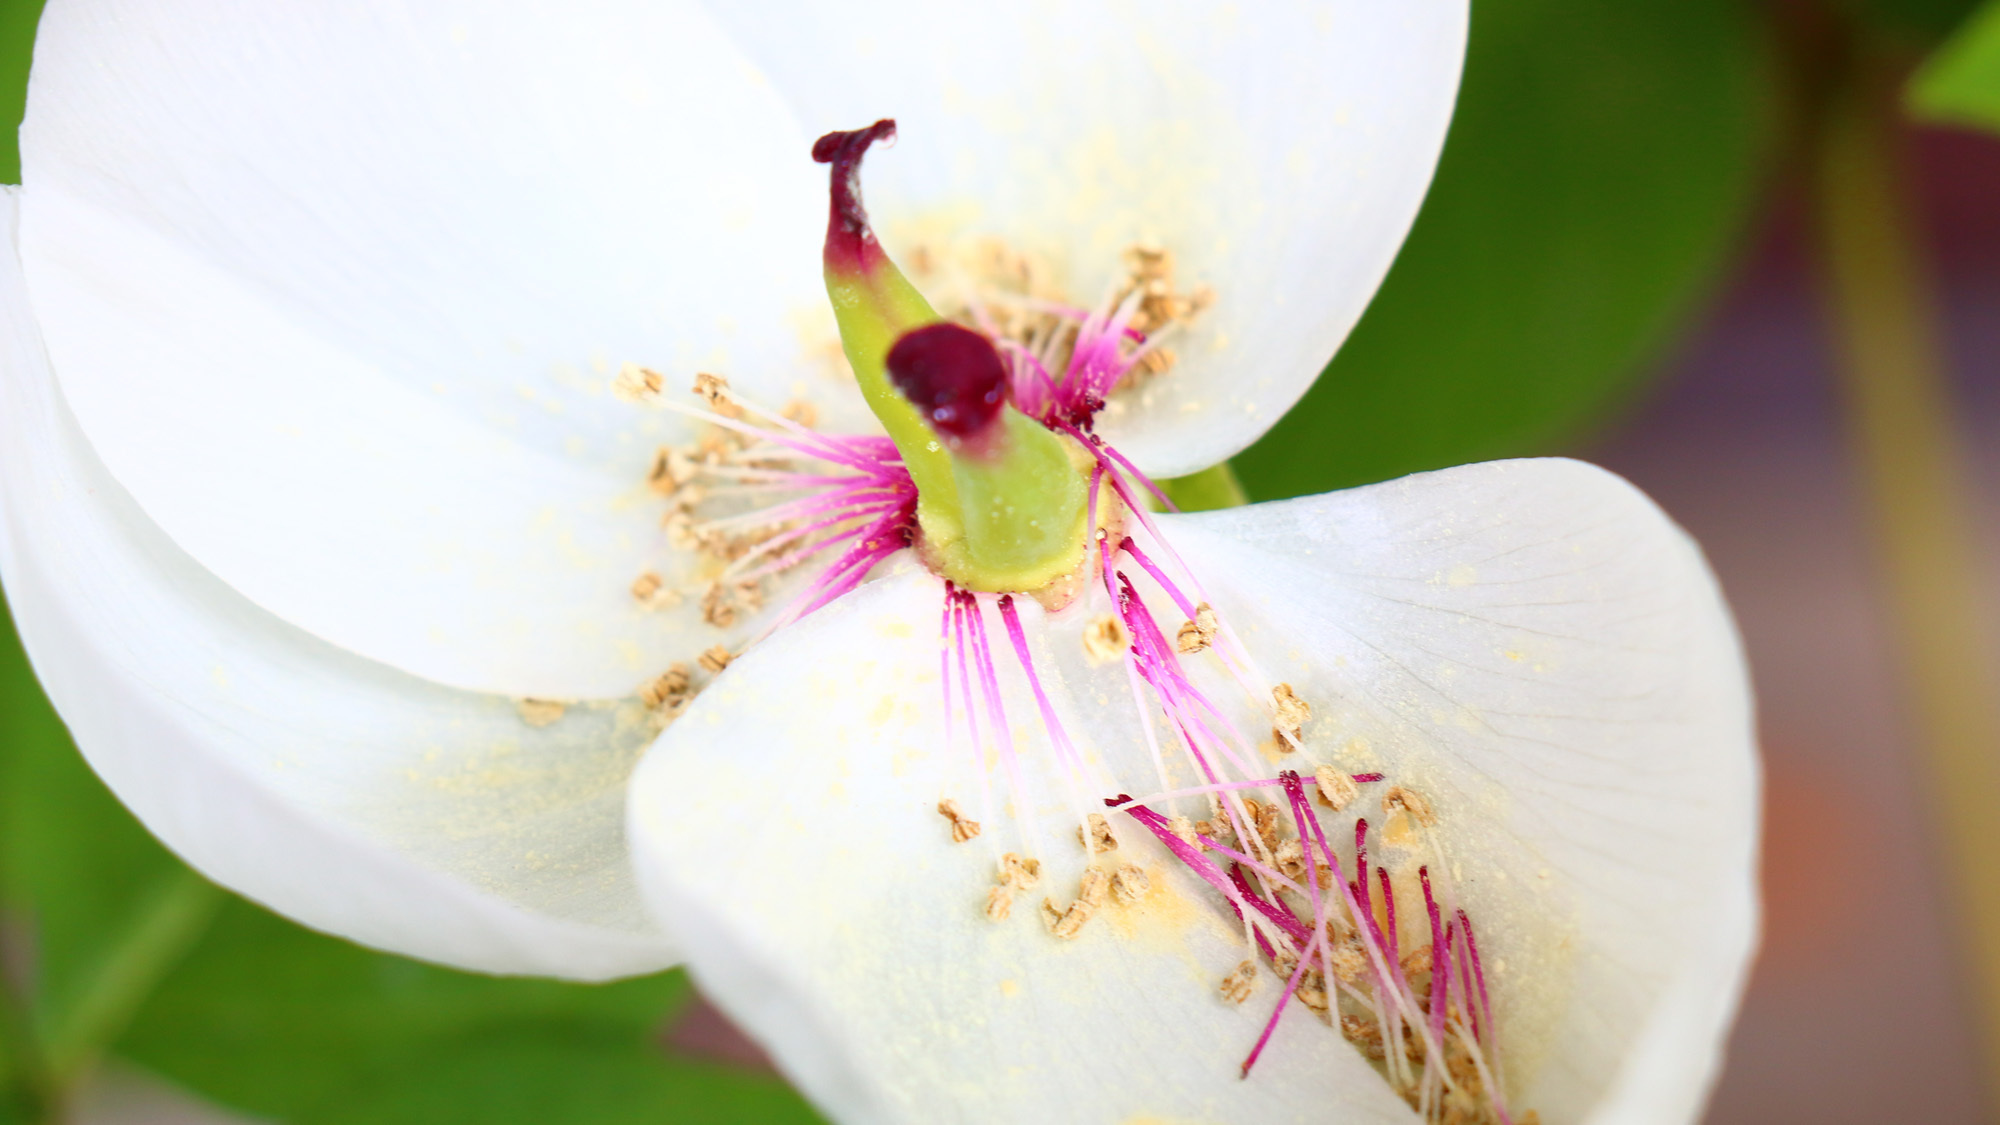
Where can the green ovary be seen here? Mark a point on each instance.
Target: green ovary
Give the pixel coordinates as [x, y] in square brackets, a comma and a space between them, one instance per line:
[1011, 519]
[1023, 514]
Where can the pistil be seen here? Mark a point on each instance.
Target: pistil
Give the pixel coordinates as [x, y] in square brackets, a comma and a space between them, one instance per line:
[1000, 503]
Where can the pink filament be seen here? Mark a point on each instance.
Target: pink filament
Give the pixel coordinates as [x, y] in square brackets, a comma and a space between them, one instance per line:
[1361, 864]
[1389, 905]
[1479, 974]
[1187, 607]
[1050, 723]
[1187, 853]
[877, 541]
[1440, 959]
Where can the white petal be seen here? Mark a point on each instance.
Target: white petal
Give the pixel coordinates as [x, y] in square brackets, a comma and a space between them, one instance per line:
[1530, 644]
[819, 900]
[1534, 639]
[336, 292]
[352, 797]
[1279, 149]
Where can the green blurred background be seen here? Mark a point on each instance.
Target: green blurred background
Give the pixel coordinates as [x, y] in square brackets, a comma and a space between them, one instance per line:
[1605, 170]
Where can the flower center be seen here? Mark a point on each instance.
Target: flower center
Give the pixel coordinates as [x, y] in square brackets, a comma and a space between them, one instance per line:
[992, 470]
[1381, 952]
[1001, 498]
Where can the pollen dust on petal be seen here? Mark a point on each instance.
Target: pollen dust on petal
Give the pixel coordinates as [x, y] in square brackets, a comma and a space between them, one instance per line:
[668, 694]
[1402, 810]
[540, 712]
[650, 590]
[1016, 874]
[1130, 883]
[714, 390]
[1290, 715]
[800, 411]
[1236, 986]
[1092, 890]
[1105, 639]
[963, 827]
[1216, 828]
[1336, 789]
[1349, 961]
[1198, 632]
[670, 691]
[1266, 818]
[634, 383]
[1100, 838]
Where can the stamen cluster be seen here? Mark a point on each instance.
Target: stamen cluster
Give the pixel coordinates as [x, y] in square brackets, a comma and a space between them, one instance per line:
[1320, 916]
[1066, 362]
[759, 494]
[1382, 952]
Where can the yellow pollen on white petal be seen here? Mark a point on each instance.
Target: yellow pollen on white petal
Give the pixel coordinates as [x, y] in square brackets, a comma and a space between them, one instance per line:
[1290, 716]
[1105, 639]
[671, 690]
[1236, 986]
[1130, 883]
[1198, 632]
[634, 383]
[1018, 873]
[999, 903]
[1091, 893]
[963, 827]
[987, 284]
[1336, 789]
[1101, 838]
[539, 712]
[714, 390]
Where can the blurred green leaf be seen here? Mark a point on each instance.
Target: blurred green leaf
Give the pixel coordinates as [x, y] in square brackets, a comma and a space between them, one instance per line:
[17, 42]
[292, 1025]
[1922, 22]
[265, 1016]
[1212, 488]
[1600, 166]
[96, 909]
[553, 1073]
[1960, 84]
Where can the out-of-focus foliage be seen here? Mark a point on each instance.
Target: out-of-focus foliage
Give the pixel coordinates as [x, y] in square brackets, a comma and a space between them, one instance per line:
[17, 42]
[83, 888]
[132, 952]
[1960, 84]
[1921, 22]
[1600, 166]
[301, 1028]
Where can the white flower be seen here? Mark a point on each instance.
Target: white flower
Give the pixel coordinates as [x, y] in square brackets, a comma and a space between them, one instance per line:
[316, 495]
[1529, 646]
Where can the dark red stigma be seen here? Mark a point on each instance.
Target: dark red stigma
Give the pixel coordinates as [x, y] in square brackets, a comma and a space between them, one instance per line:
[953, 376]
[850, 244]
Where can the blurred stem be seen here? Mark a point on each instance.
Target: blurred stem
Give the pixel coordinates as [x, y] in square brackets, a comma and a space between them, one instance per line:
[1912, 465]
[166, 928]
[26, 1092]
